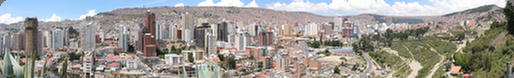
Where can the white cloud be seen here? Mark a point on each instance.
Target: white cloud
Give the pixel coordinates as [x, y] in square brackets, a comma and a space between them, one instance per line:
[179, 5]
[8, 19]
[434, 7]
[300, 5]
[252, 4]
[224, 3]
[54, 18]
[89, 13]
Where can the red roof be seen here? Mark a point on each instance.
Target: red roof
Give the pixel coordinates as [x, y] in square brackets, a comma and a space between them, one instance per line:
[114, 64]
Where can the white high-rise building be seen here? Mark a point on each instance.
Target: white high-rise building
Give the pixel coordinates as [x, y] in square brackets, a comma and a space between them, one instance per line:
[210, 43]
[57, 39]
[172, 31]
[87, 66]
[47, 39]
[123, 38]
[158, 32]
[311, 29]
[338, 22]
[6, 40]
[242, 40]
[187, 27]
[88, 38]
[188, 36]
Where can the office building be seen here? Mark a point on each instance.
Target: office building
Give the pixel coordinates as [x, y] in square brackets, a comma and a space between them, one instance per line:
[265, 38]
[211, 43]
[187, 26]
[123, 38]
[88, 38]
[57, 39]
[200, 35]
[31, 45]
[88, 64]
[311, 30]
[149, 38]
[172, 31]
[287, 29]
[19, 42]
[222, 31]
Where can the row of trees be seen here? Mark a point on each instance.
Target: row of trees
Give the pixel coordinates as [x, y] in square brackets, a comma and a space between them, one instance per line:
[509, 15]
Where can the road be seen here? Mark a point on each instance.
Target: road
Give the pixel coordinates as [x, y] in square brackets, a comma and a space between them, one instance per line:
[501, 36]
[370, 65]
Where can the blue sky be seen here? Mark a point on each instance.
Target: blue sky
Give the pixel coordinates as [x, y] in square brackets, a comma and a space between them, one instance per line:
[56, 10]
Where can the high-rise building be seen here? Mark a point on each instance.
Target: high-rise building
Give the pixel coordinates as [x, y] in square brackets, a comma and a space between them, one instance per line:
[265, 38]
[347, 28]
[123, 38]
[188, 36]
[287, 29]
[47, 39]
[158, 32]
[311, 29]
[242, 40]
[172, 31]
[211, 43]
[31, 45]
[19, 42]
[6, 45]
[149, 38]
[149, 48]
[87, 64]
[222, 31]
[200, 35]
[139, 37]
[338, 22]
[88, 38]
[57, 39]
[187, 25]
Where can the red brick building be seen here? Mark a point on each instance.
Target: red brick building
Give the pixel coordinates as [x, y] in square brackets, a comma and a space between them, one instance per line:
[149, 40]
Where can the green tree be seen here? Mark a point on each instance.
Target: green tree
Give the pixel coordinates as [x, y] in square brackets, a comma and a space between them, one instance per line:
[64, 68]
[190, 57]
[509, 15]
[463, 60]
[230, 62]
[336, 70]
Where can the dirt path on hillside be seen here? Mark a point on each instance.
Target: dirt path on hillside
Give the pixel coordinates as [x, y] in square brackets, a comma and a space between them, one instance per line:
[437, 65]
[415, 66]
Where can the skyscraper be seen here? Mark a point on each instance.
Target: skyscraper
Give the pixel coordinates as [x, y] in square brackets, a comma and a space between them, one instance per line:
[57, 39]
[200, 35]
[19, 41]
[311, 29]
[172, 31]
[265, 38]
[287, 29]
[31, 45]
[222, 31]
[210, 43]
[88, 38]
[123, 38]
[158, 32]
[187, 26]
[149, 38]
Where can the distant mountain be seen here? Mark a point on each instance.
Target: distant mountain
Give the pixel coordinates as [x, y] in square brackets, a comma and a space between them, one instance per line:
[481, 9]
[245, 16]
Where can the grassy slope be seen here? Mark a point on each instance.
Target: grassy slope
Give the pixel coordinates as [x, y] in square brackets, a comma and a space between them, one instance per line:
[386, 59]
[422, 53]
[499, 60]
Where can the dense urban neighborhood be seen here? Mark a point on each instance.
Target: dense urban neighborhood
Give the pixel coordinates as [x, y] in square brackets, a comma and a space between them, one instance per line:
[243, 42]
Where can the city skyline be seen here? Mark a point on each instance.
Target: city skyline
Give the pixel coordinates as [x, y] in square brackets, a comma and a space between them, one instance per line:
[283, 39]
[12, 11]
